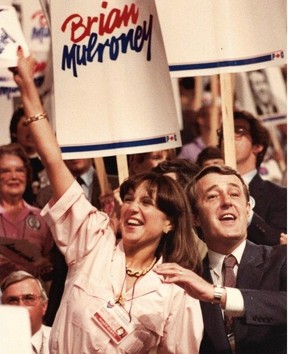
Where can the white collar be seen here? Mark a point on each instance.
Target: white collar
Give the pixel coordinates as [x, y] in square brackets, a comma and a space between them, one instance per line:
[88, 176]
[247, 177]
[37, 340]
[216, 259]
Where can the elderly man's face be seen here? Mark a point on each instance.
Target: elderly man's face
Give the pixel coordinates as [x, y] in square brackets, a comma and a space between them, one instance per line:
[18, 294]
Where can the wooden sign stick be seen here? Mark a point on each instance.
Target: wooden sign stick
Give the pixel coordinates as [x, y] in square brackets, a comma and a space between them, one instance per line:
[226, 88]
[214, 116]
[122, 167]
[102, 176]
[197, 102]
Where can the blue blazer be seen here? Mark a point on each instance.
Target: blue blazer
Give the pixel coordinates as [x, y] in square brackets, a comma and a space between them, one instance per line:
[262, 280]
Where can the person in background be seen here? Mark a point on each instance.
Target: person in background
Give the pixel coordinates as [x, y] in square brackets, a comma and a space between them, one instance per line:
[146, 161]
[181, 170]
[244, 291]
[19, 133]
[112, 301]
[211, 155]
[23, 289]
[26, 240]
[190, 151]
[268, 218]
[84, 172]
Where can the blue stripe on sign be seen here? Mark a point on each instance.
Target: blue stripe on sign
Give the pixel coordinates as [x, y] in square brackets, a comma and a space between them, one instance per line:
[221, 64]
[117, 145]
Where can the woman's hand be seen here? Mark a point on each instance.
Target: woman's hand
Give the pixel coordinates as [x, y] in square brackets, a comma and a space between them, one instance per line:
[24, 72]
[194, 285]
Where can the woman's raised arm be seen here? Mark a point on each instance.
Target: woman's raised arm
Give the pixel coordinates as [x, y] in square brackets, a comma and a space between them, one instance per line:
[46, 144]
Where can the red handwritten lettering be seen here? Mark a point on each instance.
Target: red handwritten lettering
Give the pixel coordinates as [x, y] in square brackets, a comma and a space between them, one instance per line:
[115, 18]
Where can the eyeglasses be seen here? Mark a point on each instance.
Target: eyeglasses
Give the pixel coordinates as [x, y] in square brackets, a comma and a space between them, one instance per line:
[26, 299]
[238, 132]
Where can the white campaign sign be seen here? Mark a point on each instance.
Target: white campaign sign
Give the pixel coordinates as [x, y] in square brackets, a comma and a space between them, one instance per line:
[204, 37]
[113, 92]
[11, 36]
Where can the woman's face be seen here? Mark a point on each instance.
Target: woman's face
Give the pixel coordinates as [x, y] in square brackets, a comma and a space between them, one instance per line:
[13, 176]
[142, 223]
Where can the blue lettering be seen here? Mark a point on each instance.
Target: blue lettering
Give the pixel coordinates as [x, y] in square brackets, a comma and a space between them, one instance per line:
[134, 40]
[40, 33]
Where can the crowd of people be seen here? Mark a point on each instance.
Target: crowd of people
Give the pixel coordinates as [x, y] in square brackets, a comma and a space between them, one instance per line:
[196, 262]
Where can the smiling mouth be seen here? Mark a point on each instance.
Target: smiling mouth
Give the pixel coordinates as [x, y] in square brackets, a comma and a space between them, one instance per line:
[228, 217]
[134, 222]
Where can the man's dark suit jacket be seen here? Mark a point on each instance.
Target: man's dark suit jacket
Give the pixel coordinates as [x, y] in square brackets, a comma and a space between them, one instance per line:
[262, 280]
[270, 212]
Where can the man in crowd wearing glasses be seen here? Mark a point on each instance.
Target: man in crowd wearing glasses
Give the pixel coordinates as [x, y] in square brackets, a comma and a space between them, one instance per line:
[23, 289]
[269, 215]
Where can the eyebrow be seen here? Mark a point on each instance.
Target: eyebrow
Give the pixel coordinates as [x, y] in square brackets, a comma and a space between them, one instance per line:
[215, 186]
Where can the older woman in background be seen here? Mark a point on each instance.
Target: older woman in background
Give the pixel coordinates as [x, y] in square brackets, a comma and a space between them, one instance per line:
[25, 239]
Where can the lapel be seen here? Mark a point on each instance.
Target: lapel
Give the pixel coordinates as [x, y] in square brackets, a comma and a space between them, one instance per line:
[251, 267]
[213, 318]
[257, 188]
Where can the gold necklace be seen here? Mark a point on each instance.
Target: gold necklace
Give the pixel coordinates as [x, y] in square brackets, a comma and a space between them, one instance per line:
[139, 273]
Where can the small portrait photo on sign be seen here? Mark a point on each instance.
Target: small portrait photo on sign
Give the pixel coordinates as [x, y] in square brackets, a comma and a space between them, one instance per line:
[262, 92]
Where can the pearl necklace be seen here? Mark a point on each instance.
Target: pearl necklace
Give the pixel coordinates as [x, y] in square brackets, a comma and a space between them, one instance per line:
[139, 273]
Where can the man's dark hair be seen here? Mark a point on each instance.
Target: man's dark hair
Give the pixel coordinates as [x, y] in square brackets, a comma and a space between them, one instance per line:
[259, 134]
[208, 153]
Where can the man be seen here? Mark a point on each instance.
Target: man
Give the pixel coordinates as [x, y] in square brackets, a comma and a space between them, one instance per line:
[262, 93]
[23, 289]
[256, 308]
[269, 216]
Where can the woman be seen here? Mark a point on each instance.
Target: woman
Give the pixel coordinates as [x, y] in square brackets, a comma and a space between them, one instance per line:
[25, 237]
[113, 302]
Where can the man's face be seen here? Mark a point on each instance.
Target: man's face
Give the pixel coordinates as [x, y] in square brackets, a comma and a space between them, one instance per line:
[78, 166]
[246, 152]
[13, 294]
[260, 88]
[222, 211]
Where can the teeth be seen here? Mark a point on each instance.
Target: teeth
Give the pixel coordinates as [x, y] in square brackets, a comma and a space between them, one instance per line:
[133, 222]
[228, 217]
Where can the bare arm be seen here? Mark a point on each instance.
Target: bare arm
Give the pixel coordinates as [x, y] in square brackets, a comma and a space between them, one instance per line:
[46, 144]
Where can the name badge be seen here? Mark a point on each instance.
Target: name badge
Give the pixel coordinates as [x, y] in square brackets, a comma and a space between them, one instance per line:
[114, 321]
